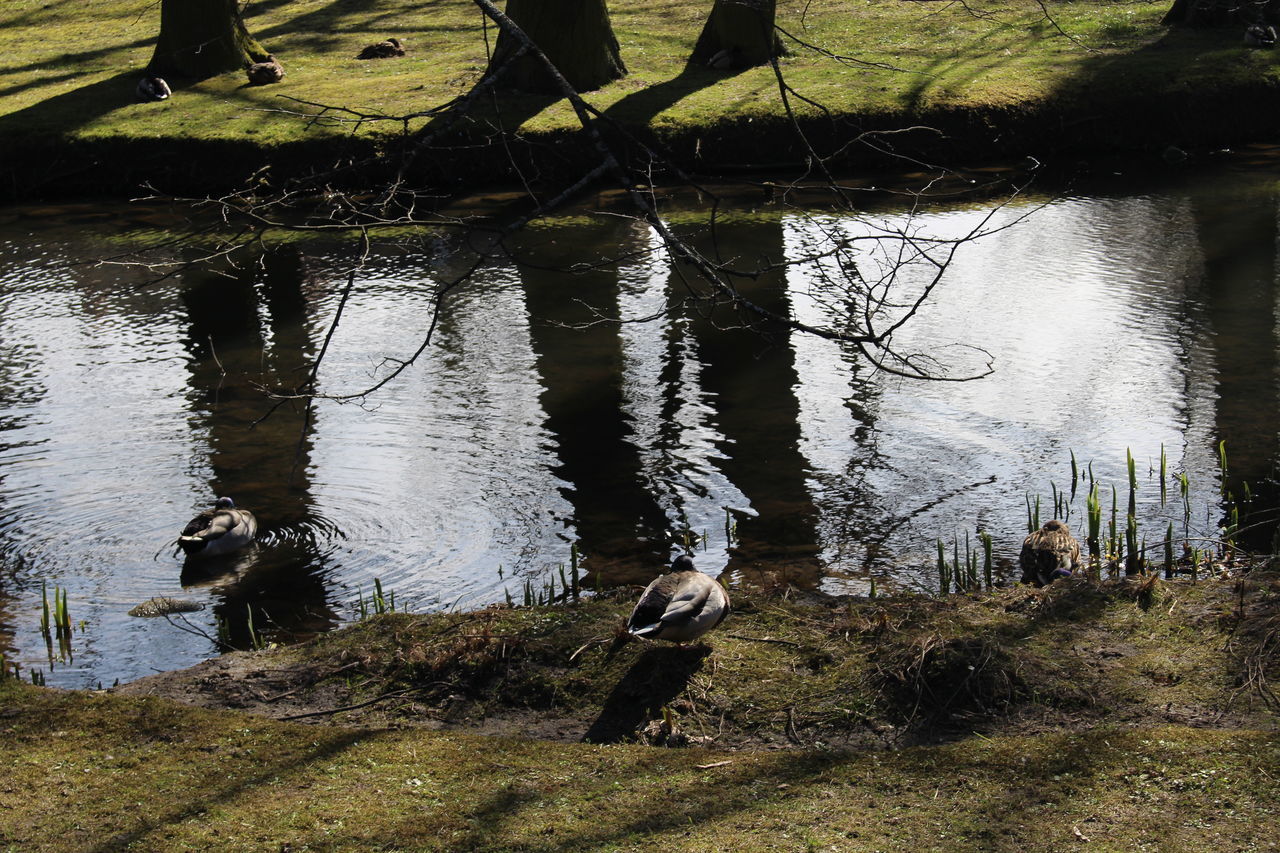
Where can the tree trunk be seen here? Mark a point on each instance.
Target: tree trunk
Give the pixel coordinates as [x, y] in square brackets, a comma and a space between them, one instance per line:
[1217, 13]
[575, 35]
[201, 38]
[738, 34]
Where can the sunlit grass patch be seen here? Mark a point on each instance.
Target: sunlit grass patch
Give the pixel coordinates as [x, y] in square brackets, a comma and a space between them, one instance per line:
[71, 69]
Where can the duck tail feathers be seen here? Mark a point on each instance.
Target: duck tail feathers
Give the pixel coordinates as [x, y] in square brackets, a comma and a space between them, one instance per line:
[646, 631]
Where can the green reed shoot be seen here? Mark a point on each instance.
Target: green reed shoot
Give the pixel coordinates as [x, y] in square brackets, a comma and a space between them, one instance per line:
[1195, 564]
[1164, 475]
[44, 616]
[1133, 559]
[528, 593]
[969, 569]
[1133, 483]
[380, 603]
[957, 574]
[1075, 475]
[944, 580]
[987, 566]
[37, 677]
[1113, 538]
[507, 593]
[1093, 507]
[255, 641]
[872, 594]
[1168, 551]
[61, 615]
[1184, 486]
[1230, 531]
[730, 527]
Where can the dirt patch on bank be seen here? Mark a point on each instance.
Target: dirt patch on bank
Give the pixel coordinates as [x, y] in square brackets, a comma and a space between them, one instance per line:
[782, 673]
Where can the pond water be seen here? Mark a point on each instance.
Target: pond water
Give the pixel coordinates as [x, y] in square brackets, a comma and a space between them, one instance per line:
[1138, 318]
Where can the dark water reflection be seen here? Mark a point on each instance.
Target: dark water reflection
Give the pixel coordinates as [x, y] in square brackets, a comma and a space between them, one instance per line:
[1143, 319]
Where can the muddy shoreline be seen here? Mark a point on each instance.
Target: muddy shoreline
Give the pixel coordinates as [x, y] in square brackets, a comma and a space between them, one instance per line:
[787, 670]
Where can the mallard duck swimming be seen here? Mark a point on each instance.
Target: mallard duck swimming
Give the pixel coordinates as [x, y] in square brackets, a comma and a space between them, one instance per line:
[220, 530]
[383, 50]
[263, 73]
[1048, 554]
[152, 88]
[680, 605]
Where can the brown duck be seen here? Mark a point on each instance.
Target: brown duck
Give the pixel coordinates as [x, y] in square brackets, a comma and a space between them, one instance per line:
[263, 73]
[1049, 553]
[382, 50]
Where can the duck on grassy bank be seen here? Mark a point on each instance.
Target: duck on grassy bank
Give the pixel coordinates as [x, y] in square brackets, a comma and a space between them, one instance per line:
[383, 50]
[680, 605]
[264, 73]
[152, 87]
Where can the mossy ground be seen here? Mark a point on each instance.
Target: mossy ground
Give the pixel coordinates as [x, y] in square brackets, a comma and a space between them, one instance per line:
[1124, 715]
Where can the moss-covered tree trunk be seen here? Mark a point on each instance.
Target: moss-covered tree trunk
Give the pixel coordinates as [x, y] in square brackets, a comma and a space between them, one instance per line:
[1217, 13]
[576, 36]
[738, 34]
[201, 38]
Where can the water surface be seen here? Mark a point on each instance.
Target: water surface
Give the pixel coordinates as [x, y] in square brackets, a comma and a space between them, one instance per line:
[1137, 318]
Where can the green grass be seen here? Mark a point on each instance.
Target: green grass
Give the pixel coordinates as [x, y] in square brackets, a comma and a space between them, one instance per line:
[88, 772]
[70, 68]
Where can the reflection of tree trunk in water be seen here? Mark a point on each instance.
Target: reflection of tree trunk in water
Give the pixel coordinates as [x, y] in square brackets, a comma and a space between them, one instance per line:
[262, 467]
[1239, 245]
[751, 380]
[622, 532]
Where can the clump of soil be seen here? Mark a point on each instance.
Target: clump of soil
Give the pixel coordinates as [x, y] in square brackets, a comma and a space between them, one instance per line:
[835, 672]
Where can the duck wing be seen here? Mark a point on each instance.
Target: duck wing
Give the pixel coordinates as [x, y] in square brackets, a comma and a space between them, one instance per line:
[199, 523]
[647, 615]
[689, 600]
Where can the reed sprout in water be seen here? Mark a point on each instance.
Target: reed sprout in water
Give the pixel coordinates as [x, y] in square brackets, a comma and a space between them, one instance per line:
[961, 574]
[1093, 506]
[55, 621]
[1164, 476]
[1123, 547]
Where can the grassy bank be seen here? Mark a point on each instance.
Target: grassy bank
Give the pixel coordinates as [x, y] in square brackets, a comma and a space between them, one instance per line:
[1127, 715]
[106, 772]
[1010, 80]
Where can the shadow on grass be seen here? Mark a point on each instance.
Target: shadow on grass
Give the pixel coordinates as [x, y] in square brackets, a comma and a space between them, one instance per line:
[75, 109]
[657, 678]
[642, 106]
